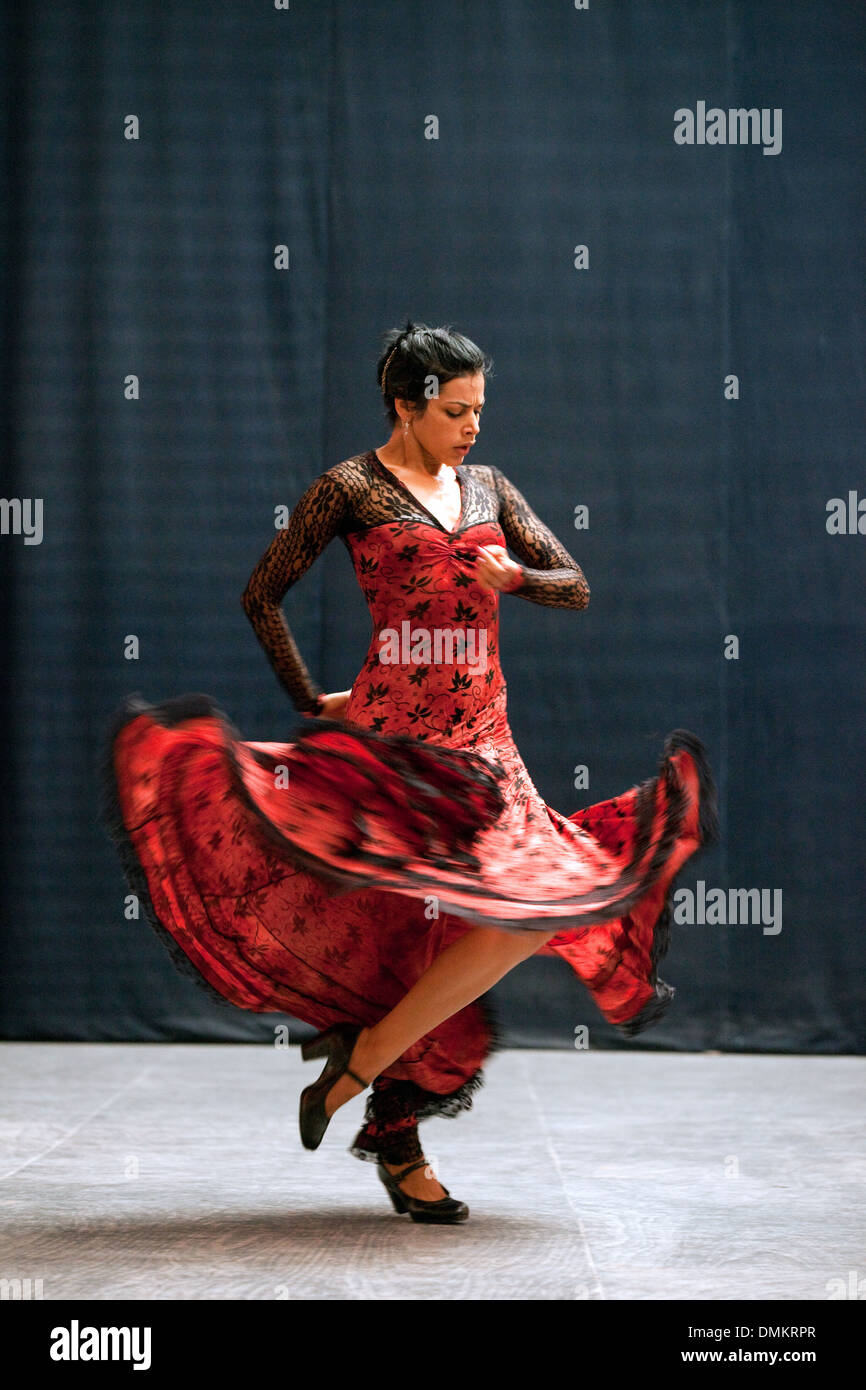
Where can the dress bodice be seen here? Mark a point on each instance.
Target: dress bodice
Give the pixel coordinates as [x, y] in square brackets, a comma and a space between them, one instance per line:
[433, 658]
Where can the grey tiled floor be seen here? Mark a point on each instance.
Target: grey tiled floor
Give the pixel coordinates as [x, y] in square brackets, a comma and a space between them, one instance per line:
[176, 1172]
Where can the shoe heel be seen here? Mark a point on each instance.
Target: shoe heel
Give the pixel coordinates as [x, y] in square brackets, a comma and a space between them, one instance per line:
[398, 1204]
[336, 1044]
[315, 1047]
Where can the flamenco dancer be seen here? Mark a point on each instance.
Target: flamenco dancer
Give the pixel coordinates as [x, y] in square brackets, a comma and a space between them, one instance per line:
[376, 873]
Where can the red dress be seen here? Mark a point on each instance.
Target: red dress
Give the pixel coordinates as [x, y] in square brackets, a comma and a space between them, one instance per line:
[320, 875]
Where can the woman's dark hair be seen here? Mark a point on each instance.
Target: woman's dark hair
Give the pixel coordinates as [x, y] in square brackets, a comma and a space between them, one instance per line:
[416, 353]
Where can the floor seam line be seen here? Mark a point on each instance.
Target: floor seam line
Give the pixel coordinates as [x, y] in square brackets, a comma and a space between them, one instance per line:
[75, 1129]
[558, 1166]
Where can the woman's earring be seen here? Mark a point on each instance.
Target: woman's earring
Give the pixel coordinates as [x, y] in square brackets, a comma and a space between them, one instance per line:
[405, 426]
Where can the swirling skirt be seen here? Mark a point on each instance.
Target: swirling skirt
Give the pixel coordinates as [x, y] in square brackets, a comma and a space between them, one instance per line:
[321, 875]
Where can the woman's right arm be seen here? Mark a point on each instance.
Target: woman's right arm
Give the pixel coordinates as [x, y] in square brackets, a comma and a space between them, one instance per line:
[314, 522]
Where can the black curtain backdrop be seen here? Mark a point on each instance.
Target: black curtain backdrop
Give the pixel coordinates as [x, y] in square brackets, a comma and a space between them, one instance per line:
[306, 127]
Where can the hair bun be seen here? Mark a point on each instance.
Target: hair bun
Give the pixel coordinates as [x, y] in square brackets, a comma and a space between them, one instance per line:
[441, 352]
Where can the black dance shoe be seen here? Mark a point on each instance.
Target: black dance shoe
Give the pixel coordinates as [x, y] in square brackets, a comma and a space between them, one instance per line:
[447, 1211]
[337, 1044]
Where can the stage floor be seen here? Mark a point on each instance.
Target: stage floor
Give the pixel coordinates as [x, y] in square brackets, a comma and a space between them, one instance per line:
[166, 1171]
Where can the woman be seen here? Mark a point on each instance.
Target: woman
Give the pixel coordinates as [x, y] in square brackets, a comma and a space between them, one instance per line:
[377, 874]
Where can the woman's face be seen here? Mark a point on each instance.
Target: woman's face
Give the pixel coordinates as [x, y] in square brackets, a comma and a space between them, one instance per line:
[450, 424]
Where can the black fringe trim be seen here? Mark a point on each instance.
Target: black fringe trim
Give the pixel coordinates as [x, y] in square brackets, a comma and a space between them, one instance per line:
[111, 819]
[409, 760]
[708, 819]
[652, 1012]
[408, 1097]
[708, 826]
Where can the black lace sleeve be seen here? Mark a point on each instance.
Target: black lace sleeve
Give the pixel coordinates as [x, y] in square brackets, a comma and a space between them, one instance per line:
[314, 522]
[556, 579]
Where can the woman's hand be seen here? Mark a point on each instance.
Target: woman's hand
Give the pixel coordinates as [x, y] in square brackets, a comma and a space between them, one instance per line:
[330, 706]
[496, 570]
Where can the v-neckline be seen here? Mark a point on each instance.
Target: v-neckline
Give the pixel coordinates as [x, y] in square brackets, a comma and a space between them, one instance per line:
[410, 493]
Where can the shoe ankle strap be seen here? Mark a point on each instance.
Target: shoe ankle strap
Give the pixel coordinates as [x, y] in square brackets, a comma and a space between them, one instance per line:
[355, 1077]
[404, 1172]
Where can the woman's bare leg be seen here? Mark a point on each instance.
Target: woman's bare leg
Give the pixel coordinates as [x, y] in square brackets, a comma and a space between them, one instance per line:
[459, 974]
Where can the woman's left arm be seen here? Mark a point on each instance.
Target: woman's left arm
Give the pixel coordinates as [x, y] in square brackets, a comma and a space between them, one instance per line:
[549, 575]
